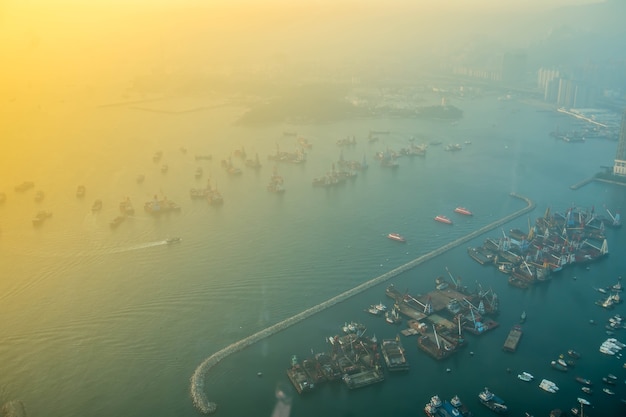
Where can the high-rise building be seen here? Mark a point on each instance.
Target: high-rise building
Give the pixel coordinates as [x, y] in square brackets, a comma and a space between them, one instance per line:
[620, 158]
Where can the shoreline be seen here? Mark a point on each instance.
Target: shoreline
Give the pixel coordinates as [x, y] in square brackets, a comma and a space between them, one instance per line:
[198, 396]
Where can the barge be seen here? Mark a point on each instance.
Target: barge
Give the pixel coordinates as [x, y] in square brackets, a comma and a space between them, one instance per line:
[298, 377]
[393, 352]
[364, 378]
[512, 340]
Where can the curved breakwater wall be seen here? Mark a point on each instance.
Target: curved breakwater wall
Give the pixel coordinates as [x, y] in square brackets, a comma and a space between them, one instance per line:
[198, 396]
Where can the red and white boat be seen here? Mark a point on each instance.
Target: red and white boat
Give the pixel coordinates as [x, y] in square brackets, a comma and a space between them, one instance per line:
[397, 237]
[443, 219]
[463, 210]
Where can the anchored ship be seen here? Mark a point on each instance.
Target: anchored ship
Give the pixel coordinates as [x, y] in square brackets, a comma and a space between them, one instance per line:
[443, 219]
[463, 210]
[397, 237]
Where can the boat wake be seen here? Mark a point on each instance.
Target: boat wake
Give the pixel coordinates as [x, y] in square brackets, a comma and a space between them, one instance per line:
[141, 246]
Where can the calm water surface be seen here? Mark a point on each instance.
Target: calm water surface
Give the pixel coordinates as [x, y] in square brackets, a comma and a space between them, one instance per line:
[105, 322]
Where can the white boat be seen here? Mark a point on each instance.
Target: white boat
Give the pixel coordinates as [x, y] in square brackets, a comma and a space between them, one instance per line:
[608, 391]
[171, 240]
[525, 376]
[583, 401]
[548, 386]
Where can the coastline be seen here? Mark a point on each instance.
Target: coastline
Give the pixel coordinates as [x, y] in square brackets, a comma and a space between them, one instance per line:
[198, 396]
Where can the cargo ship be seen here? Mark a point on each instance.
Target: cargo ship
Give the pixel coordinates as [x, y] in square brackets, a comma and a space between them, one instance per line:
[464, 211]
[397, 237]
[443, 219]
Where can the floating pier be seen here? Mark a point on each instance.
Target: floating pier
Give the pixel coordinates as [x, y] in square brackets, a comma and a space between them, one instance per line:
[198, 396]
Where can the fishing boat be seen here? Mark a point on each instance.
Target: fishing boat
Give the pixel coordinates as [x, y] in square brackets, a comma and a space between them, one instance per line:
[116, 221]
[464, 211]
[573, 354]
[381, 307]
[397, 237]
[393, 317]
[558, 366]
[96, 206]
[443, 219]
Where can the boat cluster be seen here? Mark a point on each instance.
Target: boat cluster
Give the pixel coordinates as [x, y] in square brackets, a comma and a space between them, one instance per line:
[554, 242]
[611, 346]
[454, 408]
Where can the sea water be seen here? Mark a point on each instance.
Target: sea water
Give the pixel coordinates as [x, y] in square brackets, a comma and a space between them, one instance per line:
[104, 322]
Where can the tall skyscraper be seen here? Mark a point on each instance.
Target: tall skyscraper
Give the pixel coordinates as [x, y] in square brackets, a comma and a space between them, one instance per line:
[620, 158]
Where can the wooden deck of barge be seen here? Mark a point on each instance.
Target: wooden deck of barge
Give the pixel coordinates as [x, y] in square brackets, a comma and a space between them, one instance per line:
[512, 340]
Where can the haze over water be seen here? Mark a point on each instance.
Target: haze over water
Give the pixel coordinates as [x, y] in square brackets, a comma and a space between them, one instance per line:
[104, 322]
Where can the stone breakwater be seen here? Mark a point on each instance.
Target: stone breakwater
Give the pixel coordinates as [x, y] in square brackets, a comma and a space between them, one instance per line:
[198, 396]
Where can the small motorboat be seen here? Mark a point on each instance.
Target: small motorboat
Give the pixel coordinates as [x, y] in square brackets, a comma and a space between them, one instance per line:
[171, 240]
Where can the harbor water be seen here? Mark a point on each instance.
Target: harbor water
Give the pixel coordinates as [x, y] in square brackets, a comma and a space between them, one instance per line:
[100, 321]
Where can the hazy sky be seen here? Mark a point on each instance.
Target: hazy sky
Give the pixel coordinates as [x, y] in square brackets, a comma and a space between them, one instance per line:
[46, 41]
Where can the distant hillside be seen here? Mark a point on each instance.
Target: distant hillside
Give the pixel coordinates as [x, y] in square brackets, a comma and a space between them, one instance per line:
[304, 104]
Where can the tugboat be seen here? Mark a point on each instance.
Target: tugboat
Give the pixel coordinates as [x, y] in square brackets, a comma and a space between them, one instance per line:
[492, 401]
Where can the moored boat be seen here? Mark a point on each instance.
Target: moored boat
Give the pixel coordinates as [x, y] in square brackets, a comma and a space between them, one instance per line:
[492, 401]
[583, 381]
[397, 237]
[116, 221]
[443, 219]
[574, 354]
[96, 206]
[558, 366]
[548, 386]
[525, 376]
[464, 211]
